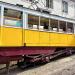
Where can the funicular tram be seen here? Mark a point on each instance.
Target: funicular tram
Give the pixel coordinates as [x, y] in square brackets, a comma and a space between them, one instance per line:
[33, 35]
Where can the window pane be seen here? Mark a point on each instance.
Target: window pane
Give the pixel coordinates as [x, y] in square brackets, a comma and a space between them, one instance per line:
[49, 3]
[65, 6]
[54, 25]
[12, 17]
[33, 22]
[44, 24]
[62, 26]
[70, 28]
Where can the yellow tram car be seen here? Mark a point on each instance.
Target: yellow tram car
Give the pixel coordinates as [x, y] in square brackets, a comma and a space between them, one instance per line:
[32, 28]
[25, 32]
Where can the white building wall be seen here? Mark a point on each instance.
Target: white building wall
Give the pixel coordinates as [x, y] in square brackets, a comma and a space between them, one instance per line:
[58, 9]
[71, 10]
[57, 6]
[9, 1]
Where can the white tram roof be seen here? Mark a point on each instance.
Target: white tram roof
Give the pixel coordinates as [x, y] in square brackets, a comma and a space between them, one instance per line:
[36, 13]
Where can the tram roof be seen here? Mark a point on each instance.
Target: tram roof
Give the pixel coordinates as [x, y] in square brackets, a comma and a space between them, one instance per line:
[36, 13]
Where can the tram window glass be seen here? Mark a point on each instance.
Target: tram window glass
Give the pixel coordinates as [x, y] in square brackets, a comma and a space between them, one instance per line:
[12, 18]
[33, 22]
[53, 25]
[62, 26]
[44, 24]
[70, 27]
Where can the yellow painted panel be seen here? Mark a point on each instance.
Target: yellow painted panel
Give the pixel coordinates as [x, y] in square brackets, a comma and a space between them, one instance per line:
[39, 38]
[44, 34]
[44, 38]
[28, 44]
[54, 38]
[0, 36]
[71, 40]
[31, 36]
[36, 38]
[42, 44]
[11, 36]
[63, 39]
[58, 39]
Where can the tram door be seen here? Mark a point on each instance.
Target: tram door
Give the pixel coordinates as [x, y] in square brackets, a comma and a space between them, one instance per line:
[12, 28]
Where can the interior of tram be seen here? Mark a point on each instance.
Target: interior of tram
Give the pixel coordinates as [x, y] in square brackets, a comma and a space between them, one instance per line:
[46, 24]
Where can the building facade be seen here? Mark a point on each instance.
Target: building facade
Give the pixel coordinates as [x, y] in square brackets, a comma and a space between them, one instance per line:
[64, 8]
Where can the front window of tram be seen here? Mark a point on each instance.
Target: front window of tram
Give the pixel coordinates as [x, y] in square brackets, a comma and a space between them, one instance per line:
[12, 18]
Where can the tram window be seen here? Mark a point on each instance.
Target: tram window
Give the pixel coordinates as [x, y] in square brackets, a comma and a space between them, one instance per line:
[70, 27]
[33, 22]
[62, 26]
[53, 25]
[12, 18]
[44, 24]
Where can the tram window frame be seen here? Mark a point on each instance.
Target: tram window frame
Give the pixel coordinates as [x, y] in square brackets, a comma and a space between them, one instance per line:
[63, 27]
[54, 27]
[35, 25]
[70, 28]
[44, 26]
[8, 18]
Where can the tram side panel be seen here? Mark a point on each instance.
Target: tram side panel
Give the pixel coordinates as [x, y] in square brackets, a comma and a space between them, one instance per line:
[11, 37]
[11, 30]
[44, 39]
[37, 38]
[71, 40]
[58, 39]
[0, 36]
[31, 38]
